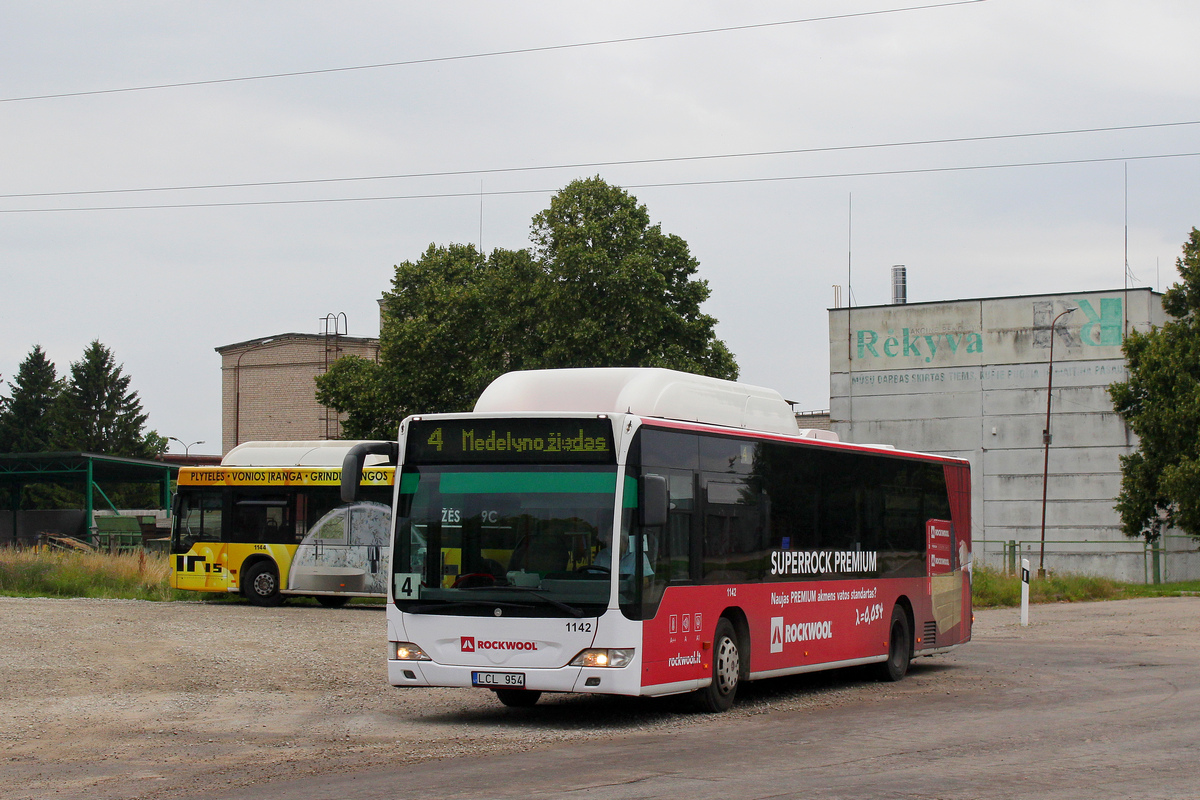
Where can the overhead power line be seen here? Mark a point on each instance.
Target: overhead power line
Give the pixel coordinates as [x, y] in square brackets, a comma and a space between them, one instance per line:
[595, 164]
[668, 184]
[492, 54]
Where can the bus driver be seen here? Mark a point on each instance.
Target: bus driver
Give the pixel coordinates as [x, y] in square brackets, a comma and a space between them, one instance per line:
[604, 556]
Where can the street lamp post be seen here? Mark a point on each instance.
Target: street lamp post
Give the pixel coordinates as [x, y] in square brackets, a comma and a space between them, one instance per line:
[186, 447]
[1046, 442]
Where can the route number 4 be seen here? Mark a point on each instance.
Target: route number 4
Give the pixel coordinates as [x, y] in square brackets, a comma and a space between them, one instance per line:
[408, 585]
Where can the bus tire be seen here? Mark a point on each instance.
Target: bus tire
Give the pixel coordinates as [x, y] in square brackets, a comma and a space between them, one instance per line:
[899, 648]
[726, 670]
[517, 698]
[261, 584]
[332, 600]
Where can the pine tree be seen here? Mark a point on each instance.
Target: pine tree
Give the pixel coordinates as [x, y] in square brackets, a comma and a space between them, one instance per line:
[99, 412]
[27, 421]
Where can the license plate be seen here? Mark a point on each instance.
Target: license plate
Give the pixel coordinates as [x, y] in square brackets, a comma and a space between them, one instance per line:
[499, 680]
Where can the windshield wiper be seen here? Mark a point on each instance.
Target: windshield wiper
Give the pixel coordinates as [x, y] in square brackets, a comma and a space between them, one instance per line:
[561, 606]
[463, 604]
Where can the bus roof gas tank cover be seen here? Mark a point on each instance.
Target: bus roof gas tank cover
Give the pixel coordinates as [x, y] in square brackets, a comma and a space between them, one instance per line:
[647, 392]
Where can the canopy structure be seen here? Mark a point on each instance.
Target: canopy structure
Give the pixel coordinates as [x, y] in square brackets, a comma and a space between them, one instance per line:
[82, 471]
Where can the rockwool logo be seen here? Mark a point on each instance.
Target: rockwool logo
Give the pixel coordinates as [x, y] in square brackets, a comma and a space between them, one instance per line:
[798, 632]
[469, 645]
[684, 661]
[808, 631]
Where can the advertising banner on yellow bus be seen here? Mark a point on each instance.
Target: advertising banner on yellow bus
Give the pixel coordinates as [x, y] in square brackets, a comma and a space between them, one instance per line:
[279, 476]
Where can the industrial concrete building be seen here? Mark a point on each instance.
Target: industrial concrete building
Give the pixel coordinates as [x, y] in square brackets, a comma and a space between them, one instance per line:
[268, 390]
[969, 378]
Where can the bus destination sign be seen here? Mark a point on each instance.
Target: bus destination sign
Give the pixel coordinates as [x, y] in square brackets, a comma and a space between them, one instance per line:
[505, 441]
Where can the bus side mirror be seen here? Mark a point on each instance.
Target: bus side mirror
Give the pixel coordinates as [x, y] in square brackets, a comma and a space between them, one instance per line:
[652, 510]
[352, 465]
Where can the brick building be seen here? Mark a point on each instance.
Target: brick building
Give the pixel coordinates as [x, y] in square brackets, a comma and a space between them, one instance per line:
[268, 390]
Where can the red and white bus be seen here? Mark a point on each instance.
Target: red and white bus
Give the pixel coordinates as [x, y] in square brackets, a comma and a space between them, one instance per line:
[649, 532]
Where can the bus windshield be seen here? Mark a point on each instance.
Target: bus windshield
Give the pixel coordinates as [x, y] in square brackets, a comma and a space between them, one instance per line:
[529, 541]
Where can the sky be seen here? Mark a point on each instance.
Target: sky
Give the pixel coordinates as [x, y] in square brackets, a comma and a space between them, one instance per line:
[833, 120]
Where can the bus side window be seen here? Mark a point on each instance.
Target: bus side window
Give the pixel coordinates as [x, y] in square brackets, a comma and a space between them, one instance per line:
[850, 510]
[301, 515]
[199, 519]
[678, 535]
[727, 455]
[262, 518]
[790, 483]
[674, 552]
[734, 542]
[669, 449]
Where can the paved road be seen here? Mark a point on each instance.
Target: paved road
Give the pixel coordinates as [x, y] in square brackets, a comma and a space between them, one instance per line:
[1097, 700]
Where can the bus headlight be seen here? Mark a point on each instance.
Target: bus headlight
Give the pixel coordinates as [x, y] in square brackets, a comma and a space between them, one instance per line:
[406, 651]
[603, 657]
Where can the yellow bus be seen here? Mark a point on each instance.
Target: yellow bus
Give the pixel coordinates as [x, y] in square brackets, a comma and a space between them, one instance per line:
[269, 523]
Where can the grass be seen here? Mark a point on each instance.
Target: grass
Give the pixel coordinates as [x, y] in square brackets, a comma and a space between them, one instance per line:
[138, 576]
[993, 589]
[125, 576]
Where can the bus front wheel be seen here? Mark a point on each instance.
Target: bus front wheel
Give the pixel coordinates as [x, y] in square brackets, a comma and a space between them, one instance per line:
[726, 670]
[899, 648]
[517, 698]
[261, 584]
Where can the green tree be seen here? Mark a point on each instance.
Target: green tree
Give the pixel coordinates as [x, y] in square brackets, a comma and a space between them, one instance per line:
[100, 413]
[452, 322]
[27, 419]
[1160, 401]
[602, 287]
[621, 292]
[357, 388]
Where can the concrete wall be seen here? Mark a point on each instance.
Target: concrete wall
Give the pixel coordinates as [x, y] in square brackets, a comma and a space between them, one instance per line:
[268, 389]
[969, 378]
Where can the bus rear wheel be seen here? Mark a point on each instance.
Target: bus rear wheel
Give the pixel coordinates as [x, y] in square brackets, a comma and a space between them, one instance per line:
[517, 698]
[260, 584]
[726, 670]
[899, 648]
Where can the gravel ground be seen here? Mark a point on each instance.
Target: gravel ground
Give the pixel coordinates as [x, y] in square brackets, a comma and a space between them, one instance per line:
[129, 699]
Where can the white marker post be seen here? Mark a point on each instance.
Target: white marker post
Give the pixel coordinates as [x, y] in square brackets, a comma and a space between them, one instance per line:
[1024, 591]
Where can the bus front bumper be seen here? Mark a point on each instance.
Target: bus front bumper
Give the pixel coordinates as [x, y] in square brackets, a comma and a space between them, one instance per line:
[600, 680]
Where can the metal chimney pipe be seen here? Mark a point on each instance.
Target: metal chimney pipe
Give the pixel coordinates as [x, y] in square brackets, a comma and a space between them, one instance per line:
[899, 285]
